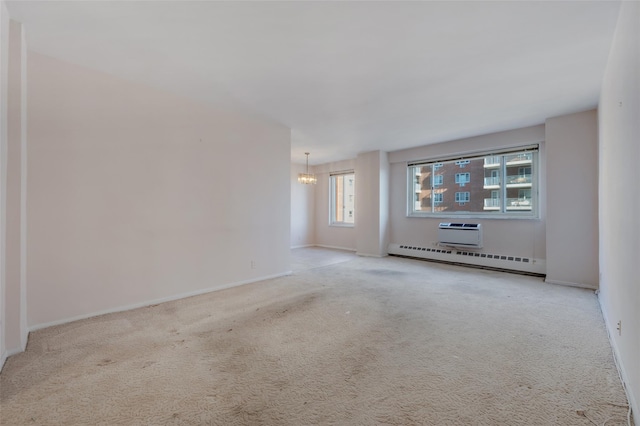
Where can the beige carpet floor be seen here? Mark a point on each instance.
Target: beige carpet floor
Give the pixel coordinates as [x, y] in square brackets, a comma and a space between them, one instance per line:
[353, 341]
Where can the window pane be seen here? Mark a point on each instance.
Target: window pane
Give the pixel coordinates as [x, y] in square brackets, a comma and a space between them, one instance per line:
[421, 188]
[491, 185]
[519, 182]
[462, 188]
[343, 199]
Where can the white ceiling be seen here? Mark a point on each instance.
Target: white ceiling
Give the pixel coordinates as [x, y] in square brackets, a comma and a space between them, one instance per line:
[347, 77]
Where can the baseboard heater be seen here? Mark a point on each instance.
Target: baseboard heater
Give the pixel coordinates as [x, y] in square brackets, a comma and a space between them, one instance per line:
[460, 235]
[502, 262]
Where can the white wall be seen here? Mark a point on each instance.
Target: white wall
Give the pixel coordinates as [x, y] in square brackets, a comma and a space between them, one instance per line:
[137, 195]
[302, 210]
[619, 157]
[572, 199]
[519, 237]
[342, 237]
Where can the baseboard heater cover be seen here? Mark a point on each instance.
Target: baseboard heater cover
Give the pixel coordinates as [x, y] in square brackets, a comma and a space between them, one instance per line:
[474, 258]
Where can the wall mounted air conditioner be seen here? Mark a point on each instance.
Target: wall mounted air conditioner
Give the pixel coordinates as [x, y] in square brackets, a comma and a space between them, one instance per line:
[460, 235]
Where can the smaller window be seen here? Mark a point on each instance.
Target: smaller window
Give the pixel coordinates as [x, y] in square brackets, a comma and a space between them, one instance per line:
[437, 180]
[462, 197]
[342, 193]
[437, 198]
[462, 163]
[436, 166]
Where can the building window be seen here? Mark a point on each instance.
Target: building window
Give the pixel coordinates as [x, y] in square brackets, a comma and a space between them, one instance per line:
[342, 195]
[524, 171]
[462, 178]
[495, 184]
[463, 197]
[524, 194]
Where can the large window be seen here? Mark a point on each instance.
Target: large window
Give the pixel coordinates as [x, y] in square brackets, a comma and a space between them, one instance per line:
[499, 184]
[343, 193]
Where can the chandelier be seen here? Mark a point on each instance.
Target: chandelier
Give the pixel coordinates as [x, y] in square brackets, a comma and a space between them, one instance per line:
[307, 178]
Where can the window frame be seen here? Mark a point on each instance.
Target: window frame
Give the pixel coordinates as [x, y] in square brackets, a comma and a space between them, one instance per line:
[467, 198]
[460, 162]
[467, 178]
[332, 199]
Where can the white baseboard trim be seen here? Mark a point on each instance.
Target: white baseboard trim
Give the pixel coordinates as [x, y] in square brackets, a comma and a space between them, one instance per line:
[570, 284]
[14, 351]
[302, 246]
[370, 255]
[335, 247]
[10, 352]
[25, 339]
[7, 354]
[156, 301]
[624, 377]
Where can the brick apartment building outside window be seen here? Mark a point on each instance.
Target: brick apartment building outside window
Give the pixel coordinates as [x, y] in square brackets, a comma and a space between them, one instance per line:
[500, 184]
